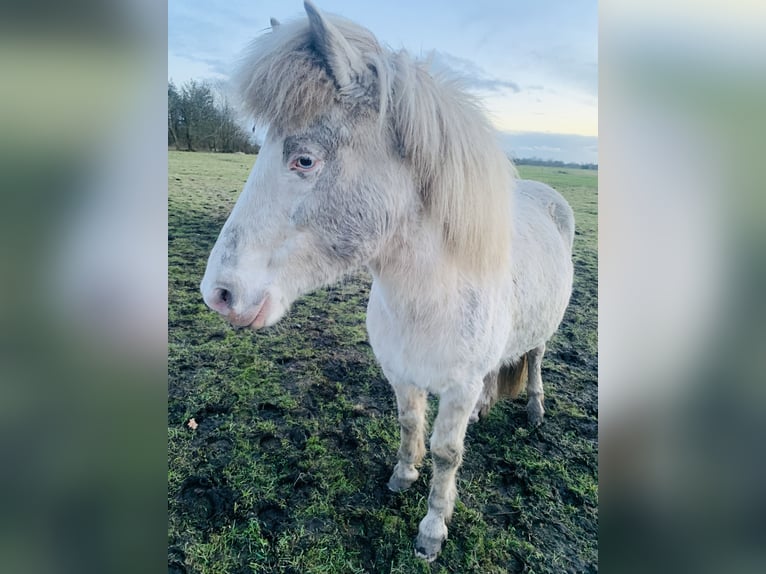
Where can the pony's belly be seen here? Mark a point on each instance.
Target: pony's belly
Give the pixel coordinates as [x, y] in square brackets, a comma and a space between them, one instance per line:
[538, 316]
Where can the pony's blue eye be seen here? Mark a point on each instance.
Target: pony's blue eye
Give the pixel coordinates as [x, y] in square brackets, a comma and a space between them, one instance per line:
[305, 162]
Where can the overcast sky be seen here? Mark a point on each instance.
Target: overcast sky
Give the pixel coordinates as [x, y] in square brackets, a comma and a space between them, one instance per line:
[534, 64]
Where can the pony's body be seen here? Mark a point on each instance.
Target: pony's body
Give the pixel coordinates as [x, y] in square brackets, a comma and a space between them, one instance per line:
[369, 160]
[433, 327]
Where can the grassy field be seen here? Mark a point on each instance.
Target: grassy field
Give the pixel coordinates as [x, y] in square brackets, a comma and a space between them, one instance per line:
[297, 430]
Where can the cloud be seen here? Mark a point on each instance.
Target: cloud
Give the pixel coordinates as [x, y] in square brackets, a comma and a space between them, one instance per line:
[472, 75]
[551, 146]
[217, 66]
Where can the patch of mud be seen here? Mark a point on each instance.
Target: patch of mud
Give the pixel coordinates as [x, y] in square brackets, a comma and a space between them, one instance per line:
[274, 520]
[205, 503]
[218, 450]
[269, 442]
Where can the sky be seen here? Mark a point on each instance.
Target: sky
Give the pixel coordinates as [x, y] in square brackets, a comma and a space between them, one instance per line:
[533, 65]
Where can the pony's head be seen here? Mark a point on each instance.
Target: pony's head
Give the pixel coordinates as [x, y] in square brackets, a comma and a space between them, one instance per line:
[359, 142]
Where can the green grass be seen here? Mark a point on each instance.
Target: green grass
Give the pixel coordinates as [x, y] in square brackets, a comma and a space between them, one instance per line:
[297, 433]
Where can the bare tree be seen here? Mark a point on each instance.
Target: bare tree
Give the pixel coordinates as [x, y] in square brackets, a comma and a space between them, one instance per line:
[200, 117]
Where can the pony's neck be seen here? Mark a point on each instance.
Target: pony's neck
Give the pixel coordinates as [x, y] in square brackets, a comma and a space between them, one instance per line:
[414, 267]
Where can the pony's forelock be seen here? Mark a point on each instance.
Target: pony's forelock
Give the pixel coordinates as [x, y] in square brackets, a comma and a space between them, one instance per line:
[283, 81]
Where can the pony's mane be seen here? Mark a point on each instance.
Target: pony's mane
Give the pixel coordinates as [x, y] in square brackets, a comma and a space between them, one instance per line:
[462, 174]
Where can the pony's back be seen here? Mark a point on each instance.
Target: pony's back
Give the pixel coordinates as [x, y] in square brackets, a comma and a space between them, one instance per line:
[558, 208]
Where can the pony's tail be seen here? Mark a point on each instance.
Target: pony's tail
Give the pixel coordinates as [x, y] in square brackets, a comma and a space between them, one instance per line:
[507, 381]
[512, 379]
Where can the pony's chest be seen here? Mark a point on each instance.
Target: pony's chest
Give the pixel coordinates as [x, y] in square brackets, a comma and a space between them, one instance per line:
[433, 351]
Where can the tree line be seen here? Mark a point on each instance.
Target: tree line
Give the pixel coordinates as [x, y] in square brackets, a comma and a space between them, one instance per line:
[552, 163]
[200, 118]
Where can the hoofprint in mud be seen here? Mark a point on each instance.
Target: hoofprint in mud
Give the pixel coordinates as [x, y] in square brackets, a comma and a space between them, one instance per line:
[369, 160]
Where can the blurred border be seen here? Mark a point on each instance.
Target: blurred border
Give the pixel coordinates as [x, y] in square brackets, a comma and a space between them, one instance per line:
[681, 329]
[83, 218]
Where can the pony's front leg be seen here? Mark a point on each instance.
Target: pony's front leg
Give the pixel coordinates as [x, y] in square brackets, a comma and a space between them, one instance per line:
[411, 403]
[455, 407]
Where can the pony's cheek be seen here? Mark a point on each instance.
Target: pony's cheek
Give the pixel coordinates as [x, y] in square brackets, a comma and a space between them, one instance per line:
[300, 216]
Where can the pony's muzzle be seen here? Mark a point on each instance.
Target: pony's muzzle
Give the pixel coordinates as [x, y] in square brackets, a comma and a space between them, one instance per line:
[223, 301]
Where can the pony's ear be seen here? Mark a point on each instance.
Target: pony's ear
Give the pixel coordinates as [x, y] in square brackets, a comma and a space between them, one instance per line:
[343, 60]
[274, 23]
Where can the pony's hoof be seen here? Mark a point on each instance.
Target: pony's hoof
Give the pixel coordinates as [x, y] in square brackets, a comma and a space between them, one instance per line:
[403, 477]
[428, 548]
[399, 484]
[535, 414]
[534, 420]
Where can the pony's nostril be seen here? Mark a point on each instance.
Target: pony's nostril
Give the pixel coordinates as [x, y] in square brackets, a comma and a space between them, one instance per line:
[221, 300]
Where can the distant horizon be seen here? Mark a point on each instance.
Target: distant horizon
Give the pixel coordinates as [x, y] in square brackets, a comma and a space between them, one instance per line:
[526, 161]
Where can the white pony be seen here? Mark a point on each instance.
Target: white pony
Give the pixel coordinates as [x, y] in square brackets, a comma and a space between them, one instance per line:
[371, 160]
